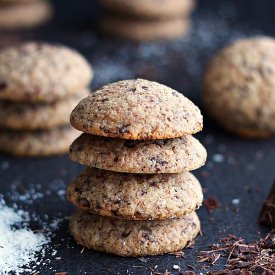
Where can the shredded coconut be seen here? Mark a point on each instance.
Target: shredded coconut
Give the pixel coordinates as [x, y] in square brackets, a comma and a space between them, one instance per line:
[19, 245]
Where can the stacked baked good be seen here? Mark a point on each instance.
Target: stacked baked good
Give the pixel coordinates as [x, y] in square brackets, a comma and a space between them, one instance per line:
[147, 20]
[39, 86]
[136, 197]
[21, 14]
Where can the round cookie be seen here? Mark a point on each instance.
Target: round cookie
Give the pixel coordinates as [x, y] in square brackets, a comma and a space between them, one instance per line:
[16, 15]
[144, 30]
[133, 238]
[150, 9]
[41, 72]
[38, 143]
[137, 156]
[136, 196]
[238, 89]
[27, 116]
[137, 109]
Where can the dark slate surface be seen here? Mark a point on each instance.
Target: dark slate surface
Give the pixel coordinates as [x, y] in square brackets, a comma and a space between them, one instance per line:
[242, 170]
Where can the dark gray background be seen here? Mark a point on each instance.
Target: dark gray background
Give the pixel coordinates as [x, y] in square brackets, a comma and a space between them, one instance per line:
[245, 172]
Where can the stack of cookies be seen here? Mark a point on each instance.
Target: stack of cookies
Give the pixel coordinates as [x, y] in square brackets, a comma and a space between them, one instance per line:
[39, 86]
[21, 14]
[136, 197]
[147, 20]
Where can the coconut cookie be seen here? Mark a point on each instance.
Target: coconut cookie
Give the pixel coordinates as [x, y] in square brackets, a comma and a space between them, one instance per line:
[239, 85]
[37, 143]
[26, 116]
[144, 30]
[40, 72]
[137, 109]
[137, 156]
[133, 238]
[17, 15]
[157, 9]
[136, 196]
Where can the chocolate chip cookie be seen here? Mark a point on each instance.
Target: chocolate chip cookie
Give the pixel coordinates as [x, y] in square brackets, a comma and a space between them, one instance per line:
[238, 89]
[137, 156]
[133, 238]
[136, 196]
[37, 143]
[137, 109]
[41, 72]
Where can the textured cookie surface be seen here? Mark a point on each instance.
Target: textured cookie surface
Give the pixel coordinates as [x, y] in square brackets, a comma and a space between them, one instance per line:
[152, 8]
[136, 196]
[144, 30]
[239, 87]
[38, 143]
[137, 156]
[41, 72]
[137, 109]
[27, 14]
[133, 238]
[29, 116]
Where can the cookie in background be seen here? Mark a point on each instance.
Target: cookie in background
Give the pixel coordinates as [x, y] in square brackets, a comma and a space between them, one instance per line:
[18, 14]
[40, 84]
[143, 20]
[238, 87]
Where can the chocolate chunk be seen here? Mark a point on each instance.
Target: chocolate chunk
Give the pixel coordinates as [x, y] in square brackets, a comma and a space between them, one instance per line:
[267, 213]
[211, 204]
[125, 235]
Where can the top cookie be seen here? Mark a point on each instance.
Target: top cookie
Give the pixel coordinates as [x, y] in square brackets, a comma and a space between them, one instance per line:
[41, 72]
[239, 87]
[137, 109]
[152, 8]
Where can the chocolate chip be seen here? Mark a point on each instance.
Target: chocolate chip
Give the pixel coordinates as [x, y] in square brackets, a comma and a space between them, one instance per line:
[175, 94]
[132, 90]
[125, 235]
[144, 88]
[104, 99]
[116, 159]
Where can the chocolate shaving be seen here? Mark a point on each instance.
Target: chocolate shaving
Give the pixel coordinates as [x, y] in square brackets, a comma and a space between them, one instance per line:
[267, 213]
[211, 204]
[242, 257]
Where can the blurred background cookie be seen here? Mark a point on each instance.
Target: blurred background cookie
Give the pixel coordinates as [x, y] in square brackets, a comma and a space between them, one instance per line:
[150, 9]
[37, 143]
[141, 30]
[238, 88]
[40, 84]
[24, 14]
[147, 20]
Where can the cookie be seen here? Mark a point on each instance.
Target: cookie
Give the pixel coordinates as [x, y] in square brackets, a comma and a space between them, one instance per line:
[238, 89]
[41, 72]
[137, 156]
[38, 143]
[136, 196]
[24, 15]
[137, 109]
[150, 9]
[144, 30]
[133, 238]
[27, 116]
